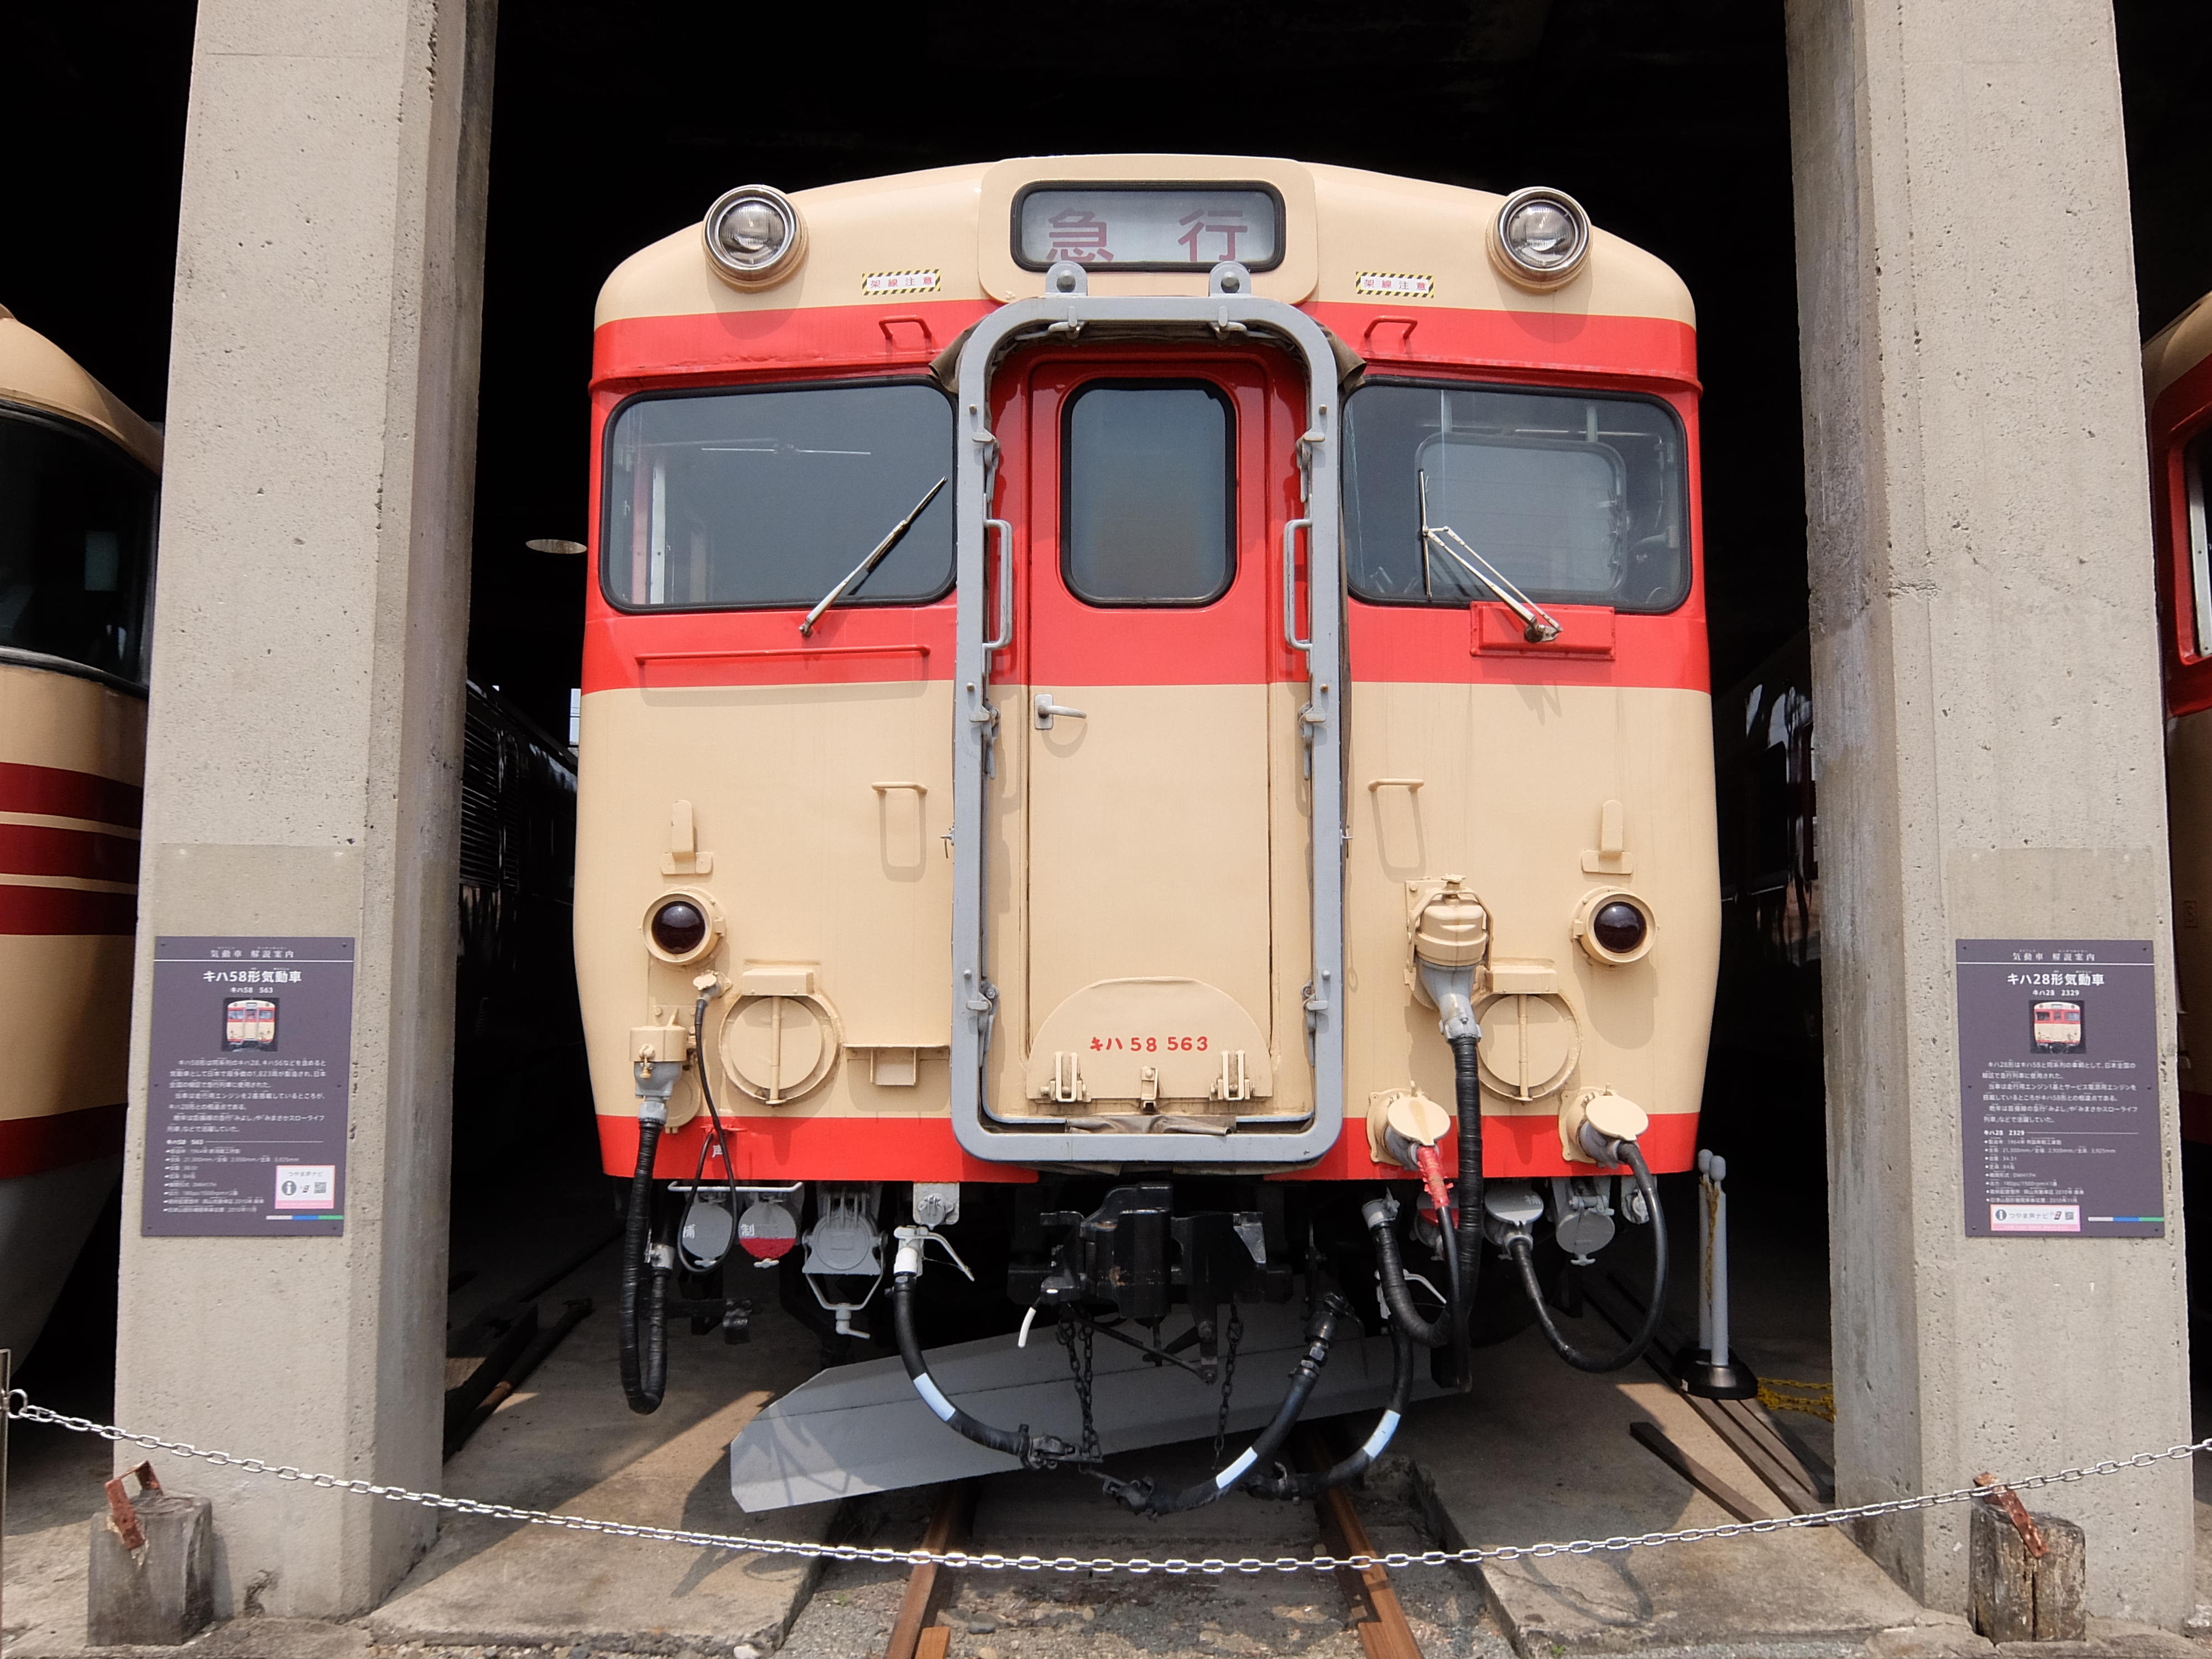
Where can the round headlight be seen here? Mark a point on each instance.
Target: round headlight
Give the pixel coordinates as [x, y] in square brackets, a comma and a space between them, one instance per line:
[1613, 926]
[754, 236]
[682, 927]
[1540, 236]
[1620, 926]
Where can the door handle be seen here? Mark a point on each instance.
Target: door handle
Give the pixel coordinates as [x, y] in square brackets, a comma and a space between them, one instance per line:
[1006, 633]
[1291, 585]
[1047, 710]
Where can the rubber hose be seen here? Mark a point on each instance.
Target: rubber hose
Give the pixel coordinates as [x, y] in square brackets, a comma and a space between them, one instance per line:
[1285, 1484]
[1398, 1298]
[1467, 1086]
[645, 1379]
[1139, 1495]
[1525, 1260]
[1016, 1445]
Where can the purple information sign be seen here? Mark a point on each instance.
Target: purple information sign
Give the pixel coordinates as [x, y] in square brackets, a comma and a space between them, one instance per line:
[2058, 1088]
[252, 1047]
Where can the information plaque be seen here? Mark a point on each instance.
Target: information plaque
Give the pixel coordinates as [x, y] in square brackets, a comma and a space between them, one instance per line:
[253, 1045]
[2058, 1088]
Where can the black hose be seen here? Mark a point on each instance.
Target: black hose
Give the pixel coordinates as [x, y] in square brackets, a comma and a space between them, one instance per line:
[645, 1379]
[1391, 1271]
[719, 1137]
[1285, 1484]
[1467, 1087]
[1039, 1451]
[1141, 1496]
[1631, 1155]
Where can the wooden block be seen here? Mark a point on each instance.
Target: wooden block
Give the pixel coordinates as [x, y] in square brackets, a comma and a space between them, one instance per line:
[2013, 1596]
[162, 1592]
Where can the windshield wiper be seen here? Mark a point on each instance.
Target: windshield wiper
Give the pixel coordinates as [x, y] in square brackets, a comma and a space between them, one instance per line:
[1538, 626]
[860, 571]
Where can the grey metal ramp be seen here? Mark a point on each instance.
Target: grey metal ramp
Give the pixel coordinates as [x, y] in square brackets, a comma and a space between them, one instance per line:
[862, 1428]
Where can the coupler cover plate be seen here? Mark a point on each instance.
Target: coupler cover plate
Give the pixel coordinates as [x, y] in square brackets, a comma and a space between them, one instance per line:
[862, 1428]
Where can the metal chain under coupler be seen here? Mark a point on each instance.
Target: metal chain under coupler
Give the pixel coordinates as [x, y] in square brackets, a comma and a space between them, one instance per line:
[1228, 1384]
[1087, 1449]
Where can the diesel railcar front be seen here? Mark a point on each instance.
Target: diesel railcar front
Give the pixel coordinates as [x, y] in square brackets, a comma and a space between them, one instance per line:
[1145, 759]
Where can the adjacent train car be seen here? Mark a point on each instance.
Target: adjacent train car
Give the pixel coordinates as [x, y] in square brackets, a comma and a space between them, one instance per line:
[1145, 726]
[2178, 389]
[79, 483]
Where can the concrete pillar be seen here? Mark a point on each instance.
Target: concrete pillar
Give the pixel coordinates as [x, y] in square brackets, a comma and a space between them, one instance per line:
[1986, 684]
[303, 763]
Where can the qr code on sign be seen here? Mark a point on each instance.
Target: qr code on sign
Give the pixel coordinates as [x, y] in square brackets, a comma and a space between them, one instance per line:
[305, 1186]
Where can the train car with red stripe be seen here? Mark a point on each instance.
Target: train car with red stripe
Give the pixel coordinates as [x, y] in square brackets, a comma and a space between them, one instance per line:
[79, 483]
[1145, 765]
[2178, 390]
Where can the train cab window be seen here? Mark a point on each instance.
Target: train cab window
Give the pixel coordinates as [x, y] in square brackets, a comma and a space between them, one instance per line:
[2200, 542]
[77, 546]
[1577, 500]
[1148, 501]
[769, 498]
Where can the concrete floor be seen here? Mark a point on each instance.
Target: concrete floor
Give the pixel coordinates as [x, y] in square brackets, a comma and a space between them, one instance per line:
[1539, 1451]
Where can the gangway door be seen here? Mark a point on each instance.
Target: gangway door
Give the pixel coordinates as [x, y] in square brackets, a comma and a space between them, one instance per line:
[1155, 888]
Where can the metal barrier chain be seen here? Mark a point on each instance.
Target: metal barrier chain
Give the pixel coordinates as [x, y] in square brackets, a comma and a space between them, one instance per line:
[20, 1410]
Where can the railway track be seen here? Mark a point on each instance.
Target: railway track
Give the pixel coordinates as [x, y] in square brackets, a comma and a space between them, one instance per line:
[1372, 1603]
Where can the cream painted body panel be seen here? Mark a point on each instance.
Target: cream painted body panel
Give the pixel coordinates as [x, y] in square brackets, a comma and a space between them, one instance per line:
[2188, 832]
[812, 864]
[65, 1021]
[1513, 781]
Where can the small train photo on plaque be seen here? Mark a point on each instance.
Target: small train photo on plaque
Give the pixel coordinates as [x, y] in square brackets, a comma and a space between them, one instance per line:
[249, 1023]
[2056, 1027]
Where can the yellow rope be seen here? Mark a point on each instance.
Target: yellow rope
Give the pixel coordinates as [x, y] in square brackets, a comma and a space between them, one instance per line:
[1787, 1393]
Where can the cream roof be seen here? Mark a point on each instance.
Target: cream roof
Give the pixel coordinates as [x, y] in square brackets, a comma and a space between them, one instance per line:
[954, 221]
[38, 374]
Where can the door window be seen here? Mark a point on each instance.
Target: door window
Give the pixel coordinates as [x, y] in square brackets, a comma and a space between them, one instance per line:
[1149, 514]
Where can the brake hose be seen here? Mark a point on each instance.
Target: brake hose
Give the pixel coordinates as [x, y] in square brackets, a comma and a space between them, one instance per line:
[1285, 1484]
[1467, 1088]
[1464, 1260]
[1041, 1451]
[1626, 1151]
[1144, 1499]
[1391, 1270]
[645, 1376]
[644, 1380]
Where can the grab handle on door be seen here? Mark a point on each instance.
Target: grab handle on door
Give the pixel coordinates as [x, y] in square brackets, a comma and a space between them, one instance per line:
[1006, 633]
[1047, 710]
[1291, 584]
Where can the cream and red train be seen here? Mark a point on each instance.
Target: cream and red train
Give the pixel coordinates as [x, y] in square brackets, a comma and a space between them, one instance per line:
[78, 493]
[1095, 666]
[2178, 389]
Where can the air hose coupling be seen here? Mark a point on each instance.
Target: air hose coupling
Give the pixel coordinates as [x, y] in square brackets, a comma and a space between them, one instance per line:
[1597, 1126]
[1451, 936]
